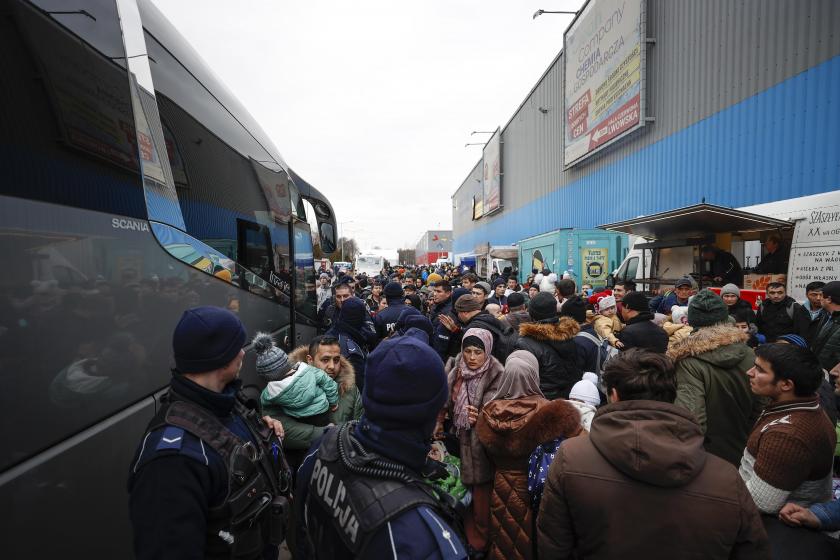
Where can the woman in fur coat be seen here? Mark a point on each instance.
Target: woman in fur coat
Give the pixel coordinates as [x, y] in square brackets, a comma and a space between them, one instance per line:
[511, 426]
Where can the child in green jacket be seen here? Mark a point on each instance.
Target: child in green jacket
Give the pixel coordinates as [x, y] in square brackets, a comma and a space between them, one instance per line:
[300, 390]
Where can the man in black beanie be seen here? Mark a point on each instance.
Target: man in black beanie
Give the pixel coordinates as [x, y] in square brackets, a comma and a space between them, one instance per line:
[551, 340]
[517, 311]
[182, 492]
[386, 320]
[712, 382]
[359, 490]
[640, 330]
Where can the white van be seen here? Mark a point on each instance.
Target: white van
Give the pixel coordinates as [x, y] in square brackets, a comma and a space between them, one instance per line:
[370, 265]
[665, 246]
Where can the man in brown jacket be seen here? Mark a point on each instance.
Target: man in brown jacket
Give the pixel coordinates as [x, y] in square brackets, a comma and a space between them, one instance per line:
[641, 485]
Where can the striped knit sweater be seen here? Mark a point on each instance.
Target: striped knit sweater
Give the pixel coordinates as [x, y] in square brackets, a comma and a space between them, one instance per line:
[789, 455]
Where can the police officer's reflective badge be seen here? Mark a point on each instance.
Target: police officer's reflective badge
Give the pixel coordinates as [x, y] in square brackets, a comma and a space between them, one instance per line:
[172, 438]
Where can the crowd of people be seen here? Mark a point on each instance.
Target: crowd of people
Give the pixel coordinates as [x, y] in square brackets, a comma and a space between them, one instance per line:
[579, 423]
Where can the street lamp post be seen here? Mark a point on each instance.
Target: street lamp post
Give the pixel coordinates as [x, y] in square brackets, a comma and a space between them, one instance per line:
[538, 13]
[341, 236]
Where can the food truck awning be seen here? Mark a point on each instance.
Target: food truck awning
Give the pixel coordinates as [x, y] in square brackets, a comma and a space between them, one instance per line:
[697, 221]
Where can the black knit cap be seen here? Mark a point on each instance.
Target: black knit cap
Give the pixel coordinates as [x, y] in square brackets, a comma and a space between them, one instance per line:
[635, 301]
[515, 300]
[575, 308]
[206, 339]
[393, 290]
[543, 306]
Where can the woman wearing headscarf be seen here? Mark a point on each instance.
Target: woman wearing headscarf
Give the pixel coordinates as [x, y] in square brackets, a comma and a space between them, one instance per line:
[510, 427]
[474, 377]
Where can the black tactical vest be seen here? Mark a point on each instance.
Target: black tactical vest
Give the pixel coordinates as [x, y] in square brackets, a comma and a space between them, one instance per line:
[255, 509]
[355, 505]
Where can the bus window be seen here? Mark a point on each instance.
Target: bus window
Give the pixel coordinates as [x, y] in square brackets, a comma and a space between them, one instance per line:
[305, 297]
[66, 127]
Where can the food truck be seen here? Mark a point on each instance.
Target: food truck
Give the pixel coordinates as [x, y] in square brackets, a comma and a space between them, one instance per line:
[587, 255]
[666, 246]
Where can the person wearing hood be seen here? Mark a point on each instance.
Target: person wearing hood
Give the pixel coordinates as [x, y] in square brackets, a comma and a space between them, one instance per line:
[510, 427]
[474, 377]
[354, 341]
[639, 330]
[552, 341]
[678, 327]
[712, 382]
[386, 320]
[586, 398]
[360, 491]
[641, 485]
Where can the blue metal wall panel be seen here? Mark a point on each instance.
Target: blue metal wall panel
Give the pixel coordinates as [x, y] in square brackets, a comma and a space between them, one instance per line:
[781, 143]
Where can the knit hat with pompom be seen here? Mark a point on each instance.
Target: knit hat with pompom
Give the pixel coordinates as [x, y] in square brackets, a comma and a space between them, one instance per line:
[272, 363]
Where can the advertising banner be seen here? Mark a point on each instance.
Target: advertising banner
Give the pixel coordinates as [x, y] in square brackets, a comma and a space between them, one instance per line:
[603, 76]
[814, 255]
[595, 265]
[478, 205]
[492, 180]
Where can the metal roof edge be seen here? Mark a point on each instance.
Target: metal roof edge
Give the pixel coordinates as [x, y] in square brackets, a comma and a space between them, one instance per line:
[518, 108]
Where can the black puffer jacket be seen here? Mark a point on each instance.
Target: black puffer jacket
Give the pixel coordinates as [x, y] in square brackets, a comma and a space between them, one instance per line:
[552, 342]
[504, 337]
[827, 340]
[743, 306]
[786, 317]
[642, 332]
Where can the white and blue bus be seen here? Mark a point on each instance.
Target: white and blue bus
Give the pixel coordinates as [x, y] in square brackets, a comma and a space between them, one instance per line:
[133, 186]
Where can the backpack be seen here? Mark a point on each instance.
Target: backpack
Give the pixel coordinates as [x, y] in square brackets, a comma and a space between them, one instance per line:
[790, 307]
[606, 351]
[538, 465]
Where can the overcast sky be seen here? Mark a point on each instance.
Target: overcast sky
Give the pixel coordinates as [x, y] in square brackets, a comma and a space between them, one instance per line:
[372, 101]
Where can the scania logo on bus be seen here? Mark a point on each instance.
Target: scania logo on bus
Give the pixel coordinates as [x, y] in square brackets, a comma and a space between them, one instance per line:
[136, 225]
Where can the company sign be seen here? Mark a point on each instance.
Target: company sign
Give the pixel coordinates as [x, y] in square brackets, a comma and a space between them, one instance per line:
[604, 76]
[492, 179]
[595, 267]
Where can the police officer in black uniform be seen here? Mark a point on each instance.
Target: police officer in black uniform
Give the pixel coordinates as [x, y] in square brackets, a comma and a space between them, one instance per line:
[359, 491]
[209, 479]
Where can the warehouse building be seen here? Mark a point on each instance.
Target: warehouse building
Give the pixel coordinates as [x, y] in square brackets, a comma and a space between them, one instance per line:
[736, 104]
[433, 245]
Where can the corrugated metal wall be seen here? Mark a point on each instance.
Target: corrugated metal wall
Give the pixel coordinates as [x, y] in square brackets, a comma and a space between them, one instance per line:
[776, 140]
